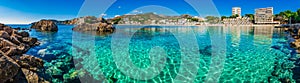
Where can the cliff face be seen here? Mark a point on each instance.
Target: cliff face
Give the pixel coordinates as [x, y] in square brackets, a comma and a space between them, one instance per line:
[15, 66]
[45, 25]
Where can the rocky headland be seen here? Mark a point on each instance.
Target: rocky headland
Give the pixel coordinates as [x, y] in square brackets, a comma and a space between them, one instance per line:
[15, 65]
[45, 25]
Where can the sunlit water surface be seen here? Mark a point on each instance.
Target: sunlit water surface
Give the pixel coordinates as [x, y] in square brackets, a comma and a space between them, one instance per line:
[248, 53]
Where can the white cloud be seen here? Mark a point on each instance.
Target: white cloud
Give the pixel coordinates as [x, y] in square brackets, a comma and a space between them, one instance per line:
[136, 12]
[117, 15]
[101, 15]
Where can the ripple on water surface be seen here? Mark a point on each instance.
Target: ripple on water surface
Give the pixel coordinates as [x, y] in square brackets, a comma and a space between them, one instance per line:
[249, 56]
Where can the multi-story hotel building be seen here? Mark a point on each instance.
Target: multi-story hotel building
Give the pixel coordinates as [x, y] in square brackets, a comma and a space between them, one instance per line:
[264, 15]
[237, 11]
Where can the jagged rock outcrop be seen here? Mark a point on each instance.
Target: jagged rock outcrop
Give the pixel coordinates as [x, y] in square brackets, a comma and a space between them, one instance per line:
[294, 37]
[45, 25]
[105, 27]
[99, 25]
[9, 68]
[15, 67]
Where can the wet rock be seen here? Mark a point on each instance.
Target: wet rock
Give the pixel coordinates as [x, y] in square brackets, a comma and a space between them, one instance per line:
[30, 62]
[30, 41]
[6, 43]
[18, 28]
[276, 47]
[24, 34]
[23, 47]
[8, 29]
[8, 68]
[13, 51]
[45, 25]
[33, 77]
[285, 80]
[15, 40]
[4, 35]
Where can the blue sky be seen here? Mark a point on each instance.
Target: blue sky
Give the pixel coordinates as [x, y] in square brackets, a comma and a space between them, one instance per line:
[27, 11]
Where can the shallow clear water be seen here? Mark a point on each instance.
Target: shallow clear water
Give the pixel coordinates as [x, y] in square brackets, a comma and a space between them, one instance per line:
[164, 54]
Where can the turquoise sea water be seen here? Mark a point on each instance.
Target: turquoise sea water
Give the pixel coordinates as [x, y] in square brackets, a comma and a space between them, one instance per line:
[165, 54]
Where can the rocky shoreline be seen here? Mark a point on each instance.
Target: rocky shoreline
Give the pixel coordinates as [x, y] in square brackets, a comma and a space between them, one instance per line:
[293, 39]
[15, 65]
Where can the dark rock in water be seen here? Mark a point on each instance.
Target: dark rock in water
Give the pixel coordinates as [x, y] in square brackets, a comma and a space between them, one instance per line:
[287, 65]
[30, 41]
[45, 25]
[276, 47]
[206, 50]
[293, 59]
[275, 73]
[24, 34]
[18, 28]
[285, 80]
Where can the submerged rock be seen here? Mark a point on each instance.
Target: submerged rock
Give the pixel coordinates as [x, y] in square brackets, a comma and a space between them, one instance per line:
[276, 47]
[285, 80]
[45, 25]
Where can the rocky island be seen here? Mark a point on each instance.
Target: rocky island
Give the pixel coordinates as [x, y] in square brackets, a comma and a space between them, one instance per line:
[45, 25]
[91, 23]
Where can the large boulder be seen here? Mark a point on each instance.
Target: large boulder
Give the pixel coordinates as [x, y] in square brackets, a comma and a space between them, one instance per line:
[8, 68]
[30, 62]
[4, 34]
[30, 41]
[45, 25]
[104, 27]
[85, 27]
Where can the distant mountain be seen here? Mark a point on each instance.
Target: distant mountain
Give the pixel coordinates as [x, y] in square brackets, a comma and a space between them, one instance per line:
[145, 18]
[151, 18]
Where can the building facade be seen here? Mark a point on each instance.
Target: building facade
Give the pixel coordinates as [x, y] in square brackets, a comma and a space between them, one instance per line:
[237, 21]
[264, 15]
[237, 11]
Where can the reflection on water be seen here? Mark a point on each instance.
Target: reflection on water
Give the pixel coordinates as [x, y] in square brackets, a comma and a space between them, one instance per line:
[249, 56]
